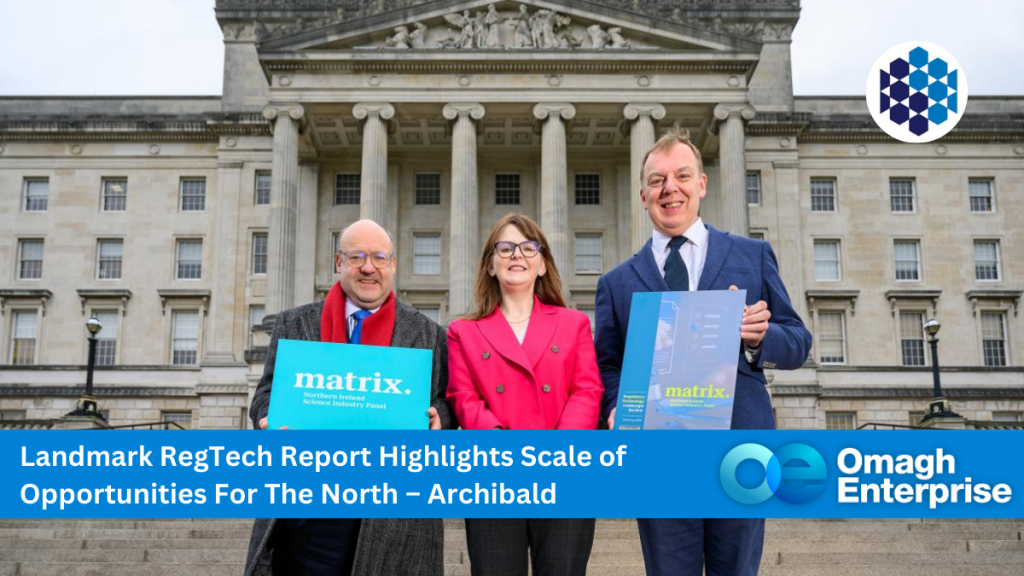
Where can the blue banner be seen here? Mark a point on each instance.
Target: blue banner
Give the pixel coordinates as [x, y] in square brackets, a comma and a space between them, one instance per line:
[496, 474]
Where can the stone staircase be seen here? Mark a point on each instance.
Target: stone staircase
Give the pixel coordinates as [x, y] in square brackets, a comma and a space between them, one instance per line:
[792, 548]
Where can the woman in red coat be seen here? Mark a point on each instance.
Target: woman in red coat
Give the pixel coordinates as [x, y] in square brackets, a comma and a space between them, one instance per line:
[522, 360]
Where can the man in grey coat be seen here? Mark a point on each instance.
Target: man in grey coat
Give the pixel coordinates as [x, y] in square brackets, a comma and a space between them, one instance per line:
[359, 309]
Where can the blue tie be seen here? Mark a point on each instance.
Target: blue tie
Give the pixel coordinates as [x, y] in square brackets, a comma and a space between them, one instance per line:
[357, 330]
[676, 276]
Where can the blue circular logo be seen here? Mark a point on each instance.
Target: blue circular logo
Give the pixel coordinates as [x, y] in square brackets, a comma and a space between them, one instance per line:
[790, 483]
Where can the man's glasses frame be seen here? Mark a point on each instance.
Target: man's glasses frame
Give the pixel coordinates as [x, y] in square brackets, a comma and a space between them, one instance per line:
[357, 259]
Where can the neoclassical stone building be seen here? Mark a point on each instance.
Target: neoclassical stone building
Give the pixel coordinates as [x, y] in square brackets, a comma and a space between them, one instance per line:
[185, 224]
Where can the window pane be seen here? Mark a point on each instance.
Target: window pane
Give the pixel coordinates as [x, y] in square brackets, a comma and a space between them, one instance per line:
[588, 189]
[30, 265]
[23, 337]
[115, 194]
[506, 189]
[901, 194]
[256, 314]
[993, 338]
[1006, 417]
[907, 260]
[9, 415]
[981, 195]
[823, 195]
[840, 420]
[259, 253]
[262, 188]
[986, 259]
[106, 338]
[190, 259]
[831, 338]
[428, 189]
[193, 195]
[182, 419]
[826, 260]
[426, 254]
[432, 312]
[753, 188]
[185, 339]
[37, 193]
[346, 188]
[912, 338]
[110, 259]
[589, 258]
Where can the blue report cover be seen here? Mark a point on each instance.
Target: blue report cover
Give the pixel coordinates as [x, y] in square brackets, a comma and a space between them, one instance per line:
[679, 367]
[326, 386]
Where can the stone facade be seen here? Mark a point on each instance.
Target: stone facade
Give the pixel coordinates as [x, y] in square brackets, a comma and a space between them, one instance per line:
[335, 110]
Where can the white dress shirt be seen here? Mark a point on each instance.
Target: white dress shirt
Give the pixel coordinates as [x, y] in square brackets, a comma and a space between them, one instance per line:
[351, 309]
[694, 251]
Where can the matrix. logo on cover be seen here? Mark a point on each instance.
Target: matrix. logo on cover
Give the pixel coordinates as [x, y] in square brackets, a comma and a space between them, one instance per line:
[916, 92]
[792, 484]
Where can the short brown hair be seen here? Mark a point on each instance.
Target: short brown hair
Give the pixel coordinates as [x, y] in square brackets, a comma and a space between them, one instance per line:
[674, 135]
[487, 292]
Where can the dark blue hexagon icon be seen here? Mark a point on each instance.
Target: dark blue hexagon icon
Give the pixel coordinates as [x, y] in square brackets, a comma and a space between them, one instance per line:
[938, 91]
[899, 68]
[952, 80]
[938, 113]
[899, 114]
[918, 80]
[952, 104]
[883, 104]
[938, 68]
[899, 91]
[918, 125]
[918, 57]
[883, 80]
[919, 102]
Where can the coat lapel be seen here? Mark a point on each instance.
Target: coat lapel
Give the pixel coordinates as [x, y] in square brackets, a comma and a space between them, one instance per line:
[719, 244]
[310, 322]
[497, 331]
[647, 269]
[541, 330]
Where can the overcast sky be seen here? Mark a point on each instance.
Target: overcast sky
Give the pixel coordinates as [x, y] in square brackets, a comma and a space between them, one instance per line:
[174, 47]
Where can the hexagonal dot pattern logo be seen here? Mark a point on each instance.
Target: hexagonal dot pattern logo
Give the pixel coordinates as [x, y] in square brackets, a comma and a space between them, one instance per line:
[916, 92]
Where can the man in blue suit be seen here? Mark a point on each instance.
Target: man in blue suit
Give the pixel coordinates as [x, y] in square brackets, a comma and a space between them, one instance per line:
[686, 254]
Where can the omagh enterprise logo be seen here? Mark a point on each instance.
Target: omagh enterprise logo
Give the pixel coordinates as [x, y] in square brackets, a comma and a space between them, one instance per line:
[795, 473]
[916, 92]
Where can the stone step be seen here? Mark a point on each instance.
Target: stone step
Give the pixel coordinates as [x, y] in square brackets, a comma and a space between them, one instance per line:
[464, 570]
[130, 524]
[117, 569]
[165, 544]
[904, 559]
[877, 535]
[119, 533]
[1009, 570]
[995, 546]
[871, 546]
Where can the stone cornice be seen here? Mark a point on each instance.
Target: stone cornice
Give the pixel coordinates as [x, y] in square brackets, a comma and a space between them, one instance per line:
[900, 392]
[808, 127]
[112, 128]
[99, 391]
[248, 124]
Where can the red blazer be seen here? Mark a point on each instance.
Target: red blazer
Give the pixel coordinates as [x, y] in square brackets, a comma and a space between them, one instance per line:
[550, 381]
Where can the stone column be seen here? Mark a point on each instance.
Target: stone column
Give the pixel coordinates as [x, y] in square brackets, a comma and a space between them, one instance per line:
[641, 137]
[284, 204]
[465, 207]
[733, 215]
[220, 341]
[373, 192]
[554, 186]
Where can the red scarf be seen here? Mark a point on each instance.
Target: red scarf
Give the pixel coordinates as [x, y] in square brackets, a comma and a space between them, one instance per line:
[377, 329]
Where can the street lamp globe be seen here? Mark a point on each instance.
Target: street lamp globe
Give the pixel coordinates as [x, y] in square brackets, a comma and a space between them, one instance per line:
[93, 325]
[932, 327]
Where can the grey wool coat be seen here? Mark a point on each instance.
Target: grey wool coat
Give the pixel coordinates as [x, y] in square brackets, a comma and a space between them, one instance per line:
[398, 547]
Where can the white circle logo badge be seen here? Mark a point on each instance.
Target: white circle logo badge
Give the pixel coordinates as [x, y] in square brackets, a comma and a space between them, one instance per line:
[916, 92]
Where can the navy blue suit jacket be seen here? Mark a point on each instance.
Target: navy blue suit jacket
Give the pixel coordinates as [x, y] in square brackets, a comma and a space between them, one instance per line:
[731, 260]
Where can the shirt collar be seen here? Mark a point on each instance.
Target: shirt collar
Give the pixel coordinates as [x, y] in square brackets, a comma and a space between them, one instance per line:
[351, 308]
[696, 234]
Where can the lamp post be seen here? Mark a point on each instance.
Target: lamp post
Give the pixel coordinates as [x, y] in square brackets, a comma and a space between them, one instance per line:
[87, 403]
[939, 407]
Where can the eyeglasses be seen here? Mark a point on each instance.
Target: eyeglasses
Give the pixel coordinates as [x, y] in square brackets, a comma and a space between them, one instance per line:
[529, 248]
[356, 259]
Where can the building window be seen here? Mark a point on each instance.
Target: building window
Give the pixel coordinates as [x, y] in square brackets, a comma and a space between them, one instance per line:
[980, 190]
[588, 189]
[901, 194]
[1007, 417]
[753, 188]
[589, 258]
[182, 419]
[262, 189]
[24, 330]
[426, 254]
[346, 189]
[30, 259]
[826, 260]
[256, 315]
[986, 259]
[757, 236]
[840, 420]
[37, 194]
[190, 259]
[428, 189]
[12, 415]
[506, 189]
[193, 194]
[185, 339]
[832, 338]
[993, 338]
[259, 253]
[908, 259]
[912, 338]
[110, 255]
[106, 338]
[823, 195]
[432, 312]
[115, 194]
[335, 239]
